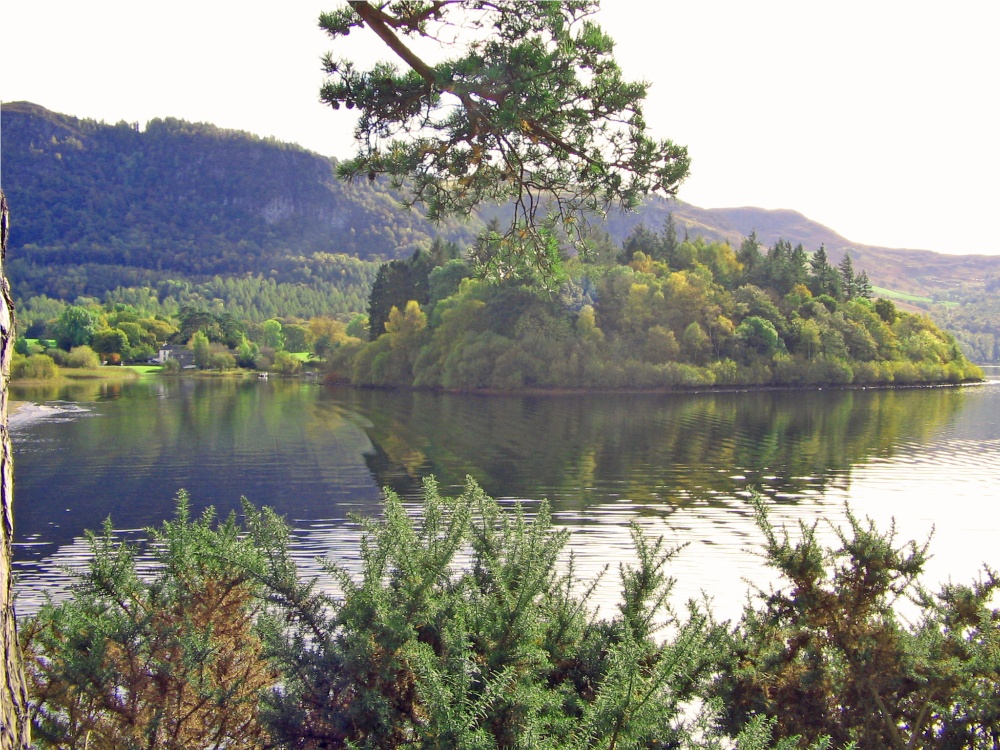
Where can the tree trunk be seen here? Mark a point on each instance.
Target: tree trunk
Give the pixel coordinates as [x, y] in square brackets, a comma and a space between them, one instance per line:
[14, 726]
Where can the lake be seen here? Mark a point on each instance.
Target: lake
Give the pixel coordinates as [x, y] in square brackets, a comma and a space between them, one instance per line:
[680, 465]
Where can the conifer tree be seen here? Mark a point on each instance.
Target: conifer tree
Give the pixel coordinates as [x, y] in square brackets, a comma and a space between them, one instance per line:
[823, 278]
[669, 241]
[862, 286]
[848, 283]
[532, 110]
[750, 258]
[398, 282]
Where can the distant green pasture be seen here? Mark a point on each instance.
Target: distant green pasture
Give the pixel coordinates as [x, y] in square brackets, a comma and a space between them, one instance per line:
[891, 294]
[906, 297]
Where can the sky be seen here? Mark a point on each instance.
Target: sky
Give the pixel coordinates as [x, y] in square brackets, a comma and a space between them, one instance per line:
[877, 118]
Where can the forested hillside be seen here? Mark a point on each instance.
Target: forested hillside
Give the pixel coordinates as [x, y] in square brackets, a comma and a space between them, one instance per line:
[181, 215]
[193, 213]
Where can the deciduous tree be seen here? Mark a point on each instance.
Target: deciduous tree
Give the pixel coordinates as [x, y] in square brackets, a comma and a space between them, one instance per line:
[75, 327]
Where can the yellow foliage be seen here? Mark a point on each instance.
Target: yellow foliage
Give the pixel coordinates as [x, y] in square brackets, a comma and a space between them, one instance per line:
[153, 691]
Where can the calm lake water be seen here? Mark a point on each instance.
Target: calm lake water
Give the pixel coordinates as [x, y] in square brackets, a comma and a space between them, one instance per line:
[679, 465]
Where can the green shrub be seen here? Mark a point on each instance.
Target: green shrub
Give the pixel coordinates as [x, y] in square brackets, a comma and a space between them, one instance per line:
[286, 364]
[35, 367]
[170, 662]
[461, 632]
[82, 357]
[221, 359]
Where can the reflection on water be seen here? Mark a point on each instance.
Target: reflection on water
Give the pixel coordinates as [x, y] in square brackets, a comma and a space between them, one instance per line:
[679, 465]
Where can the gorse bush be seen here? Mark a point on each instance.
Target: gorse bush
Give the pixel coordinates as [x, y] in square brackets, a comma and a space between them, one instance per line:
[170, 661]
[828, 656]
[462, 630]
[463, 625]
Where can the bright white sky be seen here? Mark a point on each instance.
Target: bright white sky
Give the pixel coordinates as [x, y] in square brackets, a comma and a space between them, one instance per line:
[876, 118]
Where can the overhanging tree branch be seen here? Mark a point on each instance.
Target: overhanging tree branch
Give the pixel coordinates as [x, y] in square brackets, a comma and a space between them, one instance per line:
[542, 115]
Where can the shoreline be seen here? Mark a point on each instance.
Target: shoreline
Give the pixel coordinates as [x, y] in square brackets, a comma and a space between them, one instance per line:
[675, 391]
[21, 413]
[24, 412]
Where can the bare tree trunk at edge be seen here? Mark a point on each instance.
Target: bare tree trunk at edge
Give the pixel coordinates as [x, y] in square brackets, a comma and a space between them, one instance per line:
[14, 726]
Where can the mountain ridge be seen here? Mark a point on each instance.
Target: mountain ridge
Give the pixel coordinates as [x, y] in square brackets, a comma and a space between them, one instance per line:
[919, 272]
[99, 207]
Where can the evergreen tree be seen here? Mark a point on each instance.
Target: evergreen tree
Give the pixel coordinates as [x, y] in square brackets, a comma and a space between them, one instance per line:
[531, 110]
[862, 286]
[823, 278]
[641, 240]
[668, 242]
[785, 267]
[848, 283]
[397, 283]
[798, 262]
[751, 259]
[442, 251]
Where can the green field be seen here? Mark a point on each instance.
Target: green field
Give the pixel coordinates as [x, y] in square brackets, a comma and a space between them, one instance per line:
[879, 291]
[890, 294]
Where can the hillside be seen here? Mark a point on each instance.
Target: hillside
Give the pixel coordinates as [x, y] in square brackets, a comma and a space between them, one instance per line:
[916, 272]
[110, 205]
[205, 216]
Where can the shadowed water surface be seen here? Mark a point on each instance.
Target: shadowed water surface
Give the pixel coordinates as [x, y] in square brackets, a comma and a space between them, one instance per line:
[678, 465]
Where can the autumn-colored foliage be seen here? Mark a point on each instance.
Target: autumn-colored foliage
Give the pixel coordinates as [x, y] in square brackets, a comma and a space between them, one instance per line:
[173, 662]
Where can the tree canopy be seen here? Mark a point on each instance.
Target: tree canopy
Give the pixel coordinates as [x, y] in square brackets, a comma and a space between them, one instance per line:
[531, 110]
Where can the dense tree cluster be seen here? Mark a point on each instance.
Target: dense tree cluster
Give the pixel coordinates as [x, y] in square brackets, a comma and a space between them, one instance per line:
[322, 284]
[972, 314]
[87, 335]
[461, 625]
[659, 312]
[668, 313]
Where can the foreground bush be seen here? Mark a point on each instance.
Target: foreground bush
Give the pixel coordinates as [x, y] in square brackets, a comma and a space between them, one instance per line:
[171, 661]
[463, 626]
[828, 655]
[460, 631]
